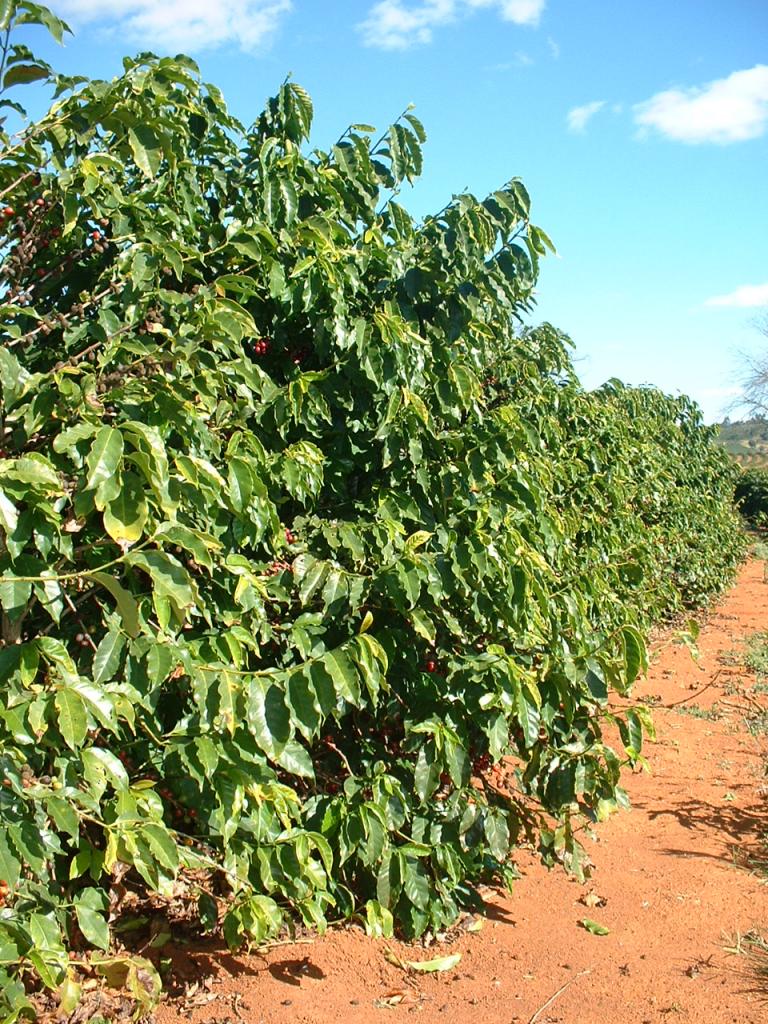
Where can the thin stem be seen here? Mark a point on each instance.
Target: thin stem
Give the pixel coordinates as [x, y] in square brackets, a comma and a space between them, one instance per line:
[83, 573]
[6, 42]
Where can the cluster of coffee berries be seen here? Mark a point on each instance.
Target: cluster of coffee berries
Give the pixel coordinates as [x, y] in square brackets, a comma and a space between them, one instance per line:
[298, 356]
[290, 537]
[276, 567]
[481, 763]
[4, 890]
[258, 346]
[109, 381]
[177, 813]
[50, 323]
[152, 317]
[23, 264]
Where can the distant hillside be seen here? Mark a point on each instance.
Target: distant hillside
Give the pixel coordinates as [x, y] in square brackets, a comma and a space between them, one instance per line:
[746, 440]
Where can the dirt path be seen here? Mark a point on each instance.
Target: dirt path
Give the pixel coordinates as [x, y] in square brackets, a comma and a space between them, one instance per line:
[665, 872]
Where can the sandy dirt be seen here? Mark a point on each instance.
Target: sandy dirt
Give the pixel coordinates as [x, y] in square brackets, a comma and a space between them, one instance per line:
[670, 882]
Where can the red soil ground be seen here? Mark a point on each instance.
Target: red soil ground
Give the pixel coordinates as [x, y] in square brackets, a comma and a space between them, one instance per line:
[671, 883]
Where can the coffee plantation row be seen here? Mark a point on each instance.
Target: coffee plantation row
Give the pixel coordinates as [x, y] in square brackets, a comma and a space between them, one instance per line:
[302, 532]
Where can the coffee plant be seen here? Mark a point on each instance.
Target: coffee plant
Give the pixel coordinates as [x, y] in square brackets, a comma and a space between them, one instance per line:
[752, 496]
[317, 569]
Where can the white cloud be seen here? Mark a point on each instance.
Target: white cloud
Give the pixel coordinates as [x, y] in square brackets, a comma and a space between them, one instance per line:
[521, 12]
[727, 110]
[397, 25]
[554, 47]
[390, 26]
[744, 297]
[578, 117]
[190, 25]
[520, 59]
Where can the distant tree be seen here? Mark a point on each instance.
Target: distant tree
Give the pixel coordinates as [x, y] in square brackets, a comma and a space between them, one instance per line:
[754, 396]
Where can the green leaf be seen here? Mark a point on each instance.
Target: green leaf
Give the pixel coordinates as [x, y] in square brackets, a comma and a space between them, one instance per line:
[160, 661]
[126, 515]
[169, 578]
[146, 149]
[268, 717]
[439, 963]
[104, 458]
[594, 927]
[423, 625]
[335, 588]
[7, 10]
[69, 994]
[632, 734]
[314, 579]
[379, 923]
[14, 594]
[101, 766]
[35, 470]
[202, 546]
[415, 883]
[126, 603]
[73, 435]
[162, 846]
[241, 483]
[345, 677]
[635, 657]
[303, 702]
[23, 74]
[9, 517]
[92, 924]
[466, 383]
[36, 14]
[296, 760]
[64, 816]
[497, 834]
[106, 658]
[426, 775]
[10, 865]
[208, 912]
[72, 720]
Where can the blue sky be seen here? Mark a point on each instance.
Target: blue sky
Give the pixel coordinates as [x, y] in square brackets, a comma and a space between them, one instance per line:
[640, 129]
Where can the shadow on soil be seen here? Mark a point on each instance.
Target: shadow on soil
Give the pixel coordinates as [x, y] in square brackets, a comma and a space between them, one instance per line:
[730, 822]
[291, 972]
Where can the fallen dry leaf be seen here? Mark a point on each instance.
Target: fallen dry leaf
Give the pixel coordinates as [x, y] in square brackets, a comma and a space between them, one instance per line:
[591, 899]
[398, 997]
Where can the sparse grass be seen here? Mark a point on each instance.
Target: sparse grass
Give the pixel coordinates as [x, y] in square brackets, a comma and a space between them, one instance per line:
[696, 711]
[754, 947]
[755, 655]
[757, 724]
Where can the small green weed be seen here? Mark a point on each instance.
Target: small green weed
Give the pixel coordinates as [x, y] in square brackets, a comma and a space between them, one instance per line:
[755, 654]
[757, 724]
[696, 711]
[754, 947]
